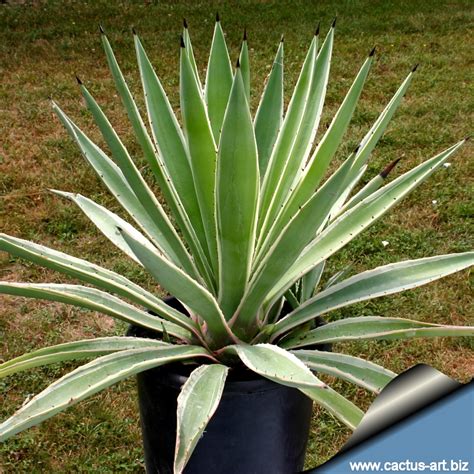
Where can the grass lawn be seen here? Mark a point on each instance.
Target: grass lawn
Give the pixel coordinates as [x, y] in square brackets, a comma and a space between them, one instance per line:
[42, 46]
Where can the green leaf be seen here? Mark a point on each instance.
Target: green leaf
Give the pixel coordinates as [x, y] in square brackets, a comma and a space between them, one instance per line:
[351, 182]
[199, 300]
[170, 143]
[337, 276]
[355, 220]
[287, 135]
[276, 364]
[336, 404]
[284, 368]
[90, 379]
[177, 167]
[245, 67]
[202, 149]
[95, 300]
[269, 116]
[157, 166]
[197, 403]
[372, 137]
[372, 186]
[327, 147]
[161, 232]
[189, 49]
[324, 200]
[314, 214]
[107, 222]
[237, 186]
[353, 369]
[272, 314]
[218, 80]
[85, 349]
[303, 143]
[292, 299]
[381, 281]
[375, 327]
[292, 240]
[310, 281]
[93, 274]
[133, 113]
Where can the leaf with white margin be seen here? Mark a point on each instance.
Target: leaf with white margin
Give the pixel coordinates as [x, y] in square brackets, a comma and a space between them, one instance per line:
[353, 369]
[282, 367]
[374, 327]
[197, 403]
[350, 224]
[85, 349]
[95, 275]
[90, 379]
[339, 406]
[276, 364]
[95, 300]
[381, 281]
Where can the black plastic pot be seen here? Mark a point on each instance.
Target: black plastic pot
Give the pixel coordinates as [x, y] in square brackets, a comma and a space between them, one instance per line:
[260, 427]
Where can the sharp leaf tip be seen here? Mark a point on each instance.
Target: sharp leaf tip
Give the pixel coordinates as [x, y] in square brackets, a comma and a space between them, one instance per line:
[316, 32]
[185, 23]
[181, 41]
[78, 80]
[372, 52]
[415, 67]
[385, 172]
[334, 22]
[218, 18]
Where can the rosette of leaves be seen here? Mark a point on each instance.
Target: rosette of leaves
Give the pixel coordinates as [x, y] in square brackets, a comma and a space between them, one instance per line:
[254, 217]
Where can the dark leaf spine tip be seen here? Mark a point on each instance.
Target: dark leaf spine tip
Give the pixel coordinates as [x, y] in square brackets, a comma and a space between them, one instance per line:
[357, 148]
[119, 229]
[316, 33]
[101, 29]
[334, 22]
[238, 63]
[389, 168]
[245, 34]
[467, 138]
[218, 18]
[282, 39]
[134, 31]
[181, 39]
[78, 80]
[415, 67]
[185, 23]
[372, 52]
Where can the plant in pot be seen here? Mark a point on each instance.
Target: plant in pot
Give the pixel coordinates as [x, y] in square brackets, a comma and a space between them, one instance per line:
[227, 368]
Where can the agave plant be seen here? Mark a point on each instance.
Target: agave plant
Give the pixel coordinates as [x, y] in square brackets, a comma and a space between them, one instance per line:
[254, 218]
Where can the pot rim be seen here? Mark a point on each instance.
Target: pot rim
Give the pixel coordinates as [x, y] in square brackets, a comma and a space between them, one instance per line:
[245, 382]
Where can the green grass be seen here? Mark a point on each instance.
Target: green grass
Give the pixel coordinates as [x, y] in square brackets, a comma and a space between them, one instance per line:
[42, 46]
